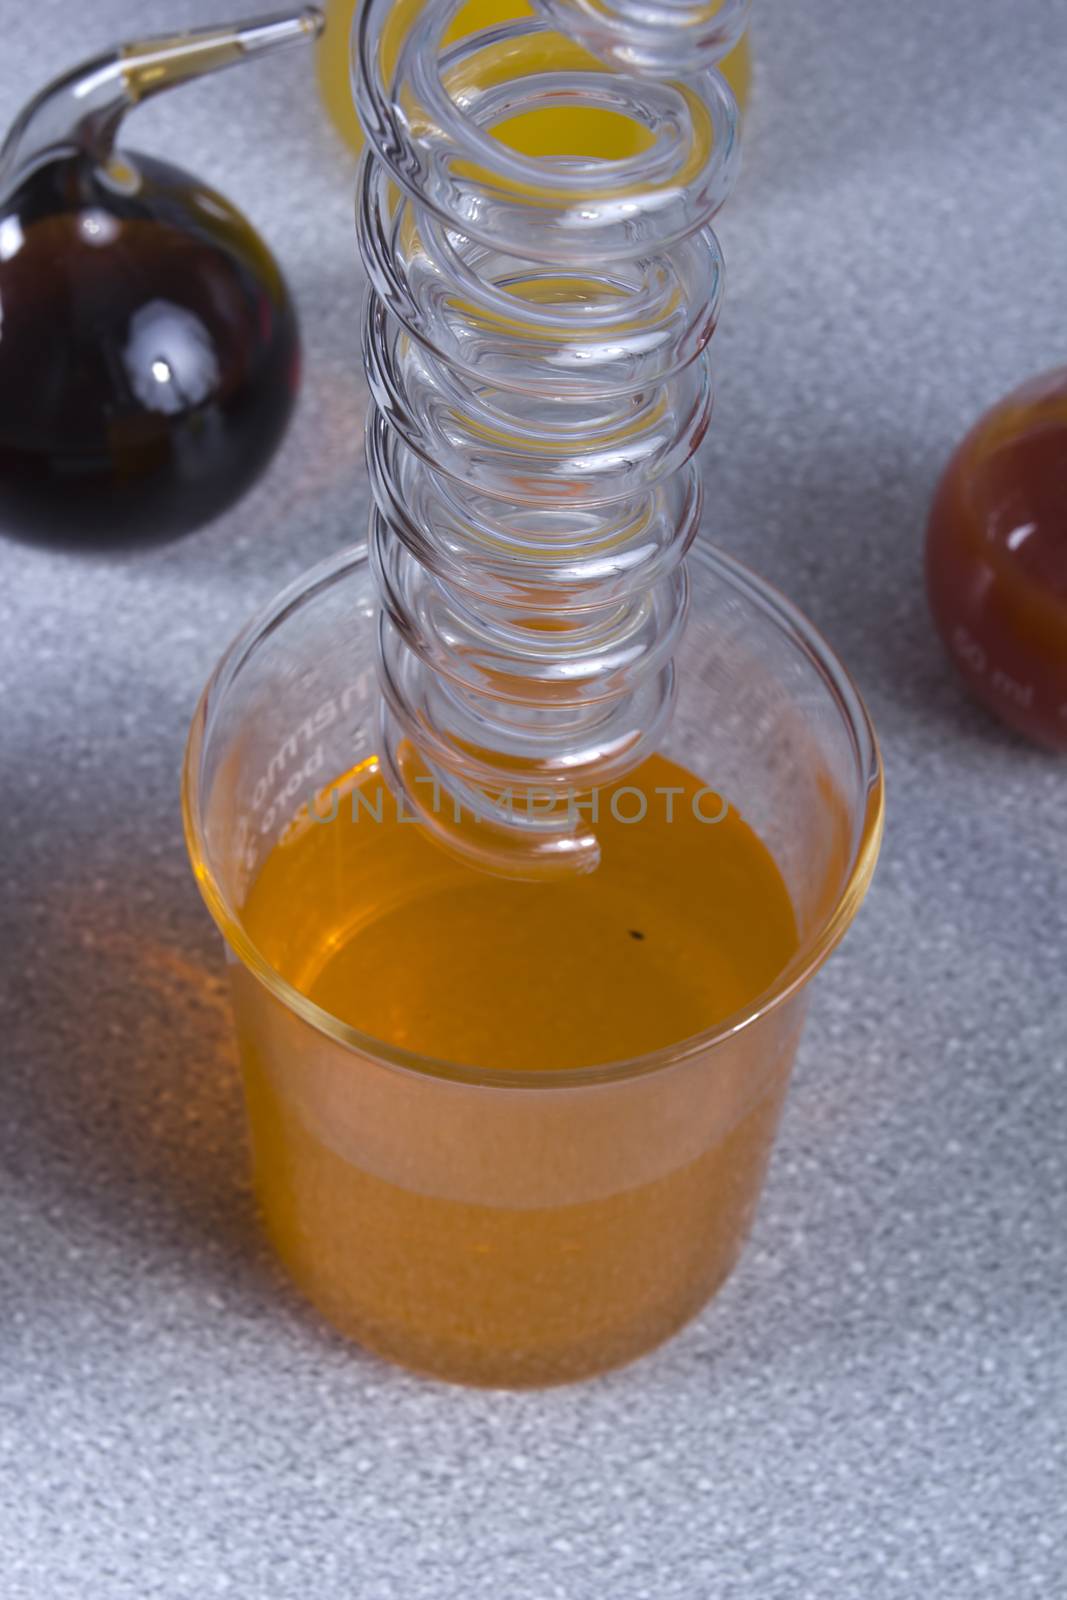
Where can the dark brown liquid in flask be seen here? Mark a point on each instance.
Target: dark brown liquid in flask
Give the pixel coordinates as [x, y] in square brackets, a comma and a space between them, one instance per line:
[149, 353]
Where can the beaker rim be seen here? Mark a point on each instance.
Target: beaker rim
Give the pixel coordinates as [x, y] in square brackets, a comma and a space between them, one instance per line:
[810, 955]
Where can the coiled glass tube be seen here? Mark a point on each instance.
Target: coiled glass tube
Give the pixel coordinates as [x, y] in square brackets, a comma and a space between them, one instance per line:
[536, 348]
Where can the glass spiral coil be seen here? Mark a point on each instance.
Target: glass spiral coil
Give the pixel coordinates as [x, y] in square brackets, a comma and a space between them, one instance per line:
[536, 348]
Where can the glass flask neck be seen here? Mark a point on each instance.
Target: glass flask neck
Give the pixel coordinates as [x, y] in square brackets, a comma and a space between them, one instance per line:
[80, 112]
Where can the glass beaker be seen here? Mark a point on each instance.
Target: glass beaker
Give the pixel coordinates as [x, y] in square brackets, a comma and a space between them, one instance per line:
[482, 1224]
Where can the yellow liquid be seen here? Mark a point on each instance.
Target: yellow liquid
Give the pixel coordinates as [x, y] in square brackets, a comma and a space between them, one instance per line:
[577, 131]
[522, 1236]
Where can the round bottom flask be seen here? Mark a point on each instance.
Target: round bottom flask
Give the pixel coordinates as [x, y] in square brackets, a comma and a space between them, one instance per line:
[996, 559]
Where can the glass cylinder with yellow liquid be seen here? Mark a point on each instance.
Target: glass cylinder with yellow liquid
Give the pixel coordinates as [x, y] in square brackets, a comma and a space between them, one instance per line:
[577, 131]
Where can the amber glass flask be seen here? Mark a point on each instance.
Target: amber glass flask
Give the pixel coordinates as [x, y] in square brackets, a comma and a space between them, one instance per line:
[150, 353]
[996, 559]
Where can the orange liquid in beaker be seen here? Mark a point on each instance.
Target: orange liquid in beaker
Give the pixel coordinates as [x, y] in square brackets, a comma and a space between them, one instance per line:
[468, 1231]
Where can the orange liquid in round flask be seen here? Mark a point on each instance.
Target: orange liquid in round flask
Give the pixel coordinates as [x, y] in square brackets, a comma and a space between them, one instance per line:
[582, 130]
[996, 559]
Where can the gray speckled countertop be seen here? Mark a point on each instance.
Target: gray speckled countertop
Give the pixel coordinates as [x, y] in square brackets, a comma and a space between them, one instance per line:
[876, 1406]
